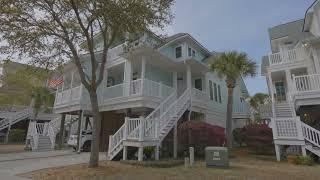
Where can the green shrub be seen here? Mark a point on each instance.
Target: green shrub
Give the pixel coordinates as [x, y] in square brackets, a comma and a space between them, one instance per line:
[17, 135]
[304, 160]
[148, 151]
[238, 135]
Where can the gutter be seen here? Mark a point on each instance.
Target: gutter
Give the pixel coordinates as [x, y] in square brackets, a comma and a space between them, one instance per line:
[305, 15]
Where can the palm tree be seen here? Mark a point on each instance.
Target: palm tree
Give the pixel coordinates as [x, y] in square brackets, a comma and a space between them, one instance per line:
[258, 99]
[42, 99]
[232, 66]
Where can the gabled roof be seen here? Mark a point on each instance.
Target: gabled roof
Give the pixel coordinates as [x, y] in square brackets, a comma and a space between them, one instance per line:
[175, 37]
[292, 29]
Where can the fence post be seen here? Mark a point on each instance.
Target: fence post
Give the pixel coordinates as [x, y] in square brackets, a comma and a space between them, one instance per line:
[109, 146]
[141, 128]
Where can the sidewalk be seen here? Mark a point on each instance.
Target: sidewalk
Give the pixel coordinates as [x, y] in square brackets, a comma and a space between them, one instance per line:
[33, 155]
[20, 163]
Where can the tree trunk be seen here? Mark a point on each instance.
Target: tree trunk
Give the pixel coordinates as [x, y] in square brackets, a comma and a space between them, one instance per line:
[96, 128]
[229, 118]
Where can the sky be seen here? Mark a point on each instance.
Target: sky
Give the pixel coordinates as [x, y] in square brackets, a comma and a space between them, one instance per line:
[242, 25]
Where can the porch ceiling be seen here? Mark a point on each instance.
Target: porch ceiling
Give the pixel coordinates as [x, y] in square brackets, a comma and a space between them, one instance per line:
[153, 57]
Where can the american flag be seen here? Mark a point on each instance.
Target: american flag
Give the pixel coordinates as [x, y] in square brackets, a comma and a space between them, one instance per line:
[55, 82]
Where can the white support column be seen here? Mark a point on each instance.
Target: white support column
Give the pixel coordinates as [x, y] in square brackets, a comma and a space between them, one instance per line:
[71, 84]
[303, 149]
[189, 79]
[105, 77]
[270, 86]
[157, 153]
[289, 84]
[141, 128]
[125, 153]
[140, 154]
[127, 77]
[143, 72]
[175, 81]
[175, 141]
[278, 153]
[126, 121]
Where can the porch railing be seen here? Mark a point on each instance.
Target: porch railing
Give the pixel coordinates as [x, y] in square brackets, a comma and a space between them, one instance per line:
[199, 95]
[306, 83]
[143, 87]
[289, 56]
[69, 95]
[242, 107]
[287, 128]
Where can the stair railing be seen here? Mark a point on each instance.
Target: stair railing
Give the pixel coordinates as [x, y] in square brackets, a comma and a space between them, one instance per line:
[176, 109]
[138, 128]
[116, 139]
[311, 134]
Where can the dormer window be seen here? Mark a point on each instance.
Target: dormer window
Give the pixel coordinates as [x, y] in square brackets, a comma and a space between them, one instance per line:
[191, 52]
[178, 52]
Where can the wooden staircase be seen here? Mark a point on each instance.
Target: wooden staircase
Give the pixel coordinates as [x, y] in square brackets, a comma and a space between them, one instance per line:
[10, 118]
[152, 130]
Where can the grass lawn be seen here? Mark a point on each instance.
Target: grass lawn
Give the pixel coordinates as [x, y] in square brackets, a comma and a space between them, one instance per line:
[243, 166]
[11, 148]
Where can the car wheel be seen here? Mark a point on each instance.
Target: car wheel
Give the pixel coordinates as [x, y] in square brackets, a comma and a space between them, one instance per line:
[87, 146]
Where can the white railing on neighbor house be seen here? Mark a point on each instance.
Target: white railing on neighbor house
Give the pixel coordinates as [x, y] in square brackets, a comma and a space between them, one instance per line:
[139, 87]
[241, 108]
[287, 128]
[265, 110]
[306, 83]
[115, 53]
[15, 117]
[198, 95]
[290, 56]
[69, 95]
[311, 134]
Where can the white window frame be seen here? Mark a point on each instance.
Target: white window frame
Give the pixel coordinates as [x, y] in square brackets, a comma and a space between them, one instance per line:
[175, 51]
[192, 52]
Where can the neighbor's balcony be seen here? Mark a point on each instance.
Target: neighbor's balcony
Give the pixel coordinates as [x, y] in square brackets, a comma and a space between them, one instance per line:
[306, 88]
[287, 57]
[74, 96]
[241, 110]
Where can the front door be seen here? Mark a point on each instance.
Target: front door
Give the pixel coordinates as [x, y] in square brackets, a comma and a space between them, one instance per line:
[182, 85]
[280, 91]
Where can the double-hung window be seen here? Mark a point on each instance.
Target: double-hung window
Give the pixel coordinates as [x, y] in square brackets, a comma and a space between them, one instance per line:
[211, 90]
[178, 52]
[215, 92]
[219, 93]
[191, 52]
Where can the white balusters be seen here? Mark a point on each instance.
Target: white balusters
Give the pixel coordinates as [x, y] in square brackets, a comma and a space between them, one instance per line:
[307, 83]
[289, 56]
[311, 134]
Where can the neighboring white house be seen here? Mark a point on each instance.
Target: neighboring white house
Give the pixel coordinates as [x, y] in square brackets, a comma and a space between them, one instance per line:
[147, 91]
[292, 71]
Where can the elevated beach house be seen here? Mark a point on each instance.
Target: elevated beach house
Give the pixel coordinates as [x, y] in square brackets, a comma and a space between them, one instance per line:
[147, 91]
[292, 70]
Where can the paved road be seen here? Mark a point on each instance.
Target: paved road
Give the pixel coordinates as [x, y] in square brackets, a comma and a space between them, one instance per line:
[11, 167]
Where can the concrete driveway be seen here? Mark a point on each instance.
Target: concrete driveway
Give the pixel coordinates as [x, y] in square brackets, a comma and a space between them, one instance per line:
[17, 163]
